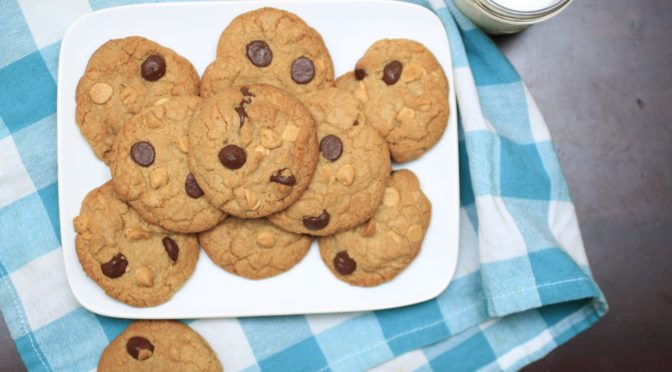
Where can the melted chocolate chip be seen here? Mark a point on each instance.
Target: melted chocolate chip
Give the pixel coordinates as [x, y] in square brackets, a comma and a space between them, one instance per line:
[360, 73]
[356, 123]
[240, 109]
[259, 53]
[171, 248]
[246, 92]
[316, 223]
[115, 267]
[143, 153]
[344, 264]
[232, 156]
[191, 187]
[136, 344]
[331, 147]
[392, 72]
[303, 70]
[282, 179]
[153, 68]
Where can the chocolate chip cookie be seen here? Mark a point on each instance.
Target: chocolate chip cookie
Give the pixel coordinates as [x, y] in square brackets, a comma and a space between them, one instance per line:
[378, 250]
[253, 150]
[133, 261]
[351, 174]
[269, 46]
[253, 248]
[150, 169]
[405, 95]
[122, 77]
[158, 345]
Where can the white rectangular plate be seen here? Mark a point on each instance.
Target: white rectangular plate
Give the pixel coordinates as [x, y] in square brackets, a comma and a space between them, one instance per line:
[192, 30]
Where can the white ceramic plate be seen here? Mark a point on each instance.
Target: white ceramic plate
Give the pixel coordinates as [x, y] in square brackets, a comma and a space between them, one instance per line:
[192, 30]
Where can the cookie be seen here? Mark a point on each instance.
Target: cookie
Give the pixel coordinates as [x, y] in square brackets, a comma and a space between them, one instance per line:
[405, 95]
[378, 250]
[253, 248]
[352, 170]
[122, 77]
[150, 169]
[158, 345]
[269, 46]
[253, 150]
[133, 261]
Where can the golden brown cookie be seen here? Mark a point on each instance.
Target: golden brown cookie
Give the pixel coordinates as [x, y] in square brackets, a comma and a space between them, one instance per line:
[405, 95]
[352, 170]
[253, 248]
[122, 77]
[253, 150]
[270, 46]
[133, 261]
[158, 345]
[150, 169]
[378, 250]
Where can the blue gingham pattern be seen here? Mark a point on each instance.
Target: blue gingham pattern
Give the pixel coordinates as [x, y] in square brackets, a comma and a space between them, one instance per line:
[523, 284]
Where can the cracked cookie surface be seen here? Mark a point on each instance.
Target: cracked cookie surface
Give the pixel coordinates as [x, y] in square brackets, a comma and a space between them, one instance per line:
[378, 250]
[352, 170]
[405, 95]
[163, 192]
[253, 248]
[158, 345]
[123, 77]
[133, 261]
[270, 46]
[253, 150]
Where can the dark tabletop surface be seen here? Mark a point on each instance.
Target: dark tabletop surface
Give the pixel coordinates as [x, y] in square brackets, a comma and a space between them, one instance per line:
[602, 76]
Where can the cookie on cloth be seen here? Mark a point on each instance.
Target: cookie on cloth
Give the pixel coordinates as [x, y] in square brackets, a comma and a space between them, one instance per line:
[158, 345]
[270, 46]
[253, 150]
[151, 172]
[253, 248]
[378, 250]
[352, 170]
[133, 261]
[405, 95]
[123, 77]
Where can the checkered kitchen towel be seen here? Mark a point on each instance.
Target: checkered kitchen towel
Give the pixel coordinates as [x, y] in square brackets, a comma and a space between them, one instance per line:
[523, 284]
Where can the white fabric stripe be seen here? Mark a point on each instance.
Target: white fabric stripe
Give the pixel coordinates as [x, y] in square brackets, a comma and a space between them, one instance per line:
[228, 340]
[537, 123]
[565, 227]
[519, 352]
[321, 322]
[405, 362]
[48, 20]
[468, 259]
[467, 98]
[497, 230]
[15, 182]
[43, 289]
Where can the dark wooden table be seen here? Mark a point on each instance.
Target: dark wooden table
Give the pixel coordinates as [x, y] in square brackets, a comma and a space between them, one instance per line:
[602, 75]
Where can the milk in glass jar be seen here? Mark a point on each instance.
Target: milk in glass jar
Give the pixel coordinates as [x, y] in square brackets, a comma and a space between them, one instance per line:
[509, 16]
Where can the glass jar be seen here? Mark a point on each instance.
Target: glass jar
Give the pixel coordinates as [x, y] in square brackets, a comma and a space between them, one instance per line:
[509, 16]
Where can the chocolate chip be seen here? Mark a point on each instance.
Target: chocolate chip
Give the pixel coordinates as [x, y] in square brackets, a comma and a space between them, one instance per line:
[303, 70]
[282, 179]
[153, 68]
[331, 147]
[316, 223]
[171, 248]
[356, 123]
[143, 153]
[344, 264]
[246, 92]
[191, 187]
[392, 72]
[115, 267]
[136, 344]
[360, 73]
[232, 156]
[240, 109]
[259, 53]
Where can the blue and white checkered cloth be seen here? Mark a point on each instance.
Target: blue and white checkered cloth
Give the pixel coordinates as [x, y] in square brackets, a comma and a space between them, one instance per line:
[523, 284]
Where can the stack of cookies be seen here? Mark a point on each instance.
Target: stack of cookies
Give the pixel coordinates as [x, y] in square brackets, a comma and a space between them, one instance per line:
[254, 160]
